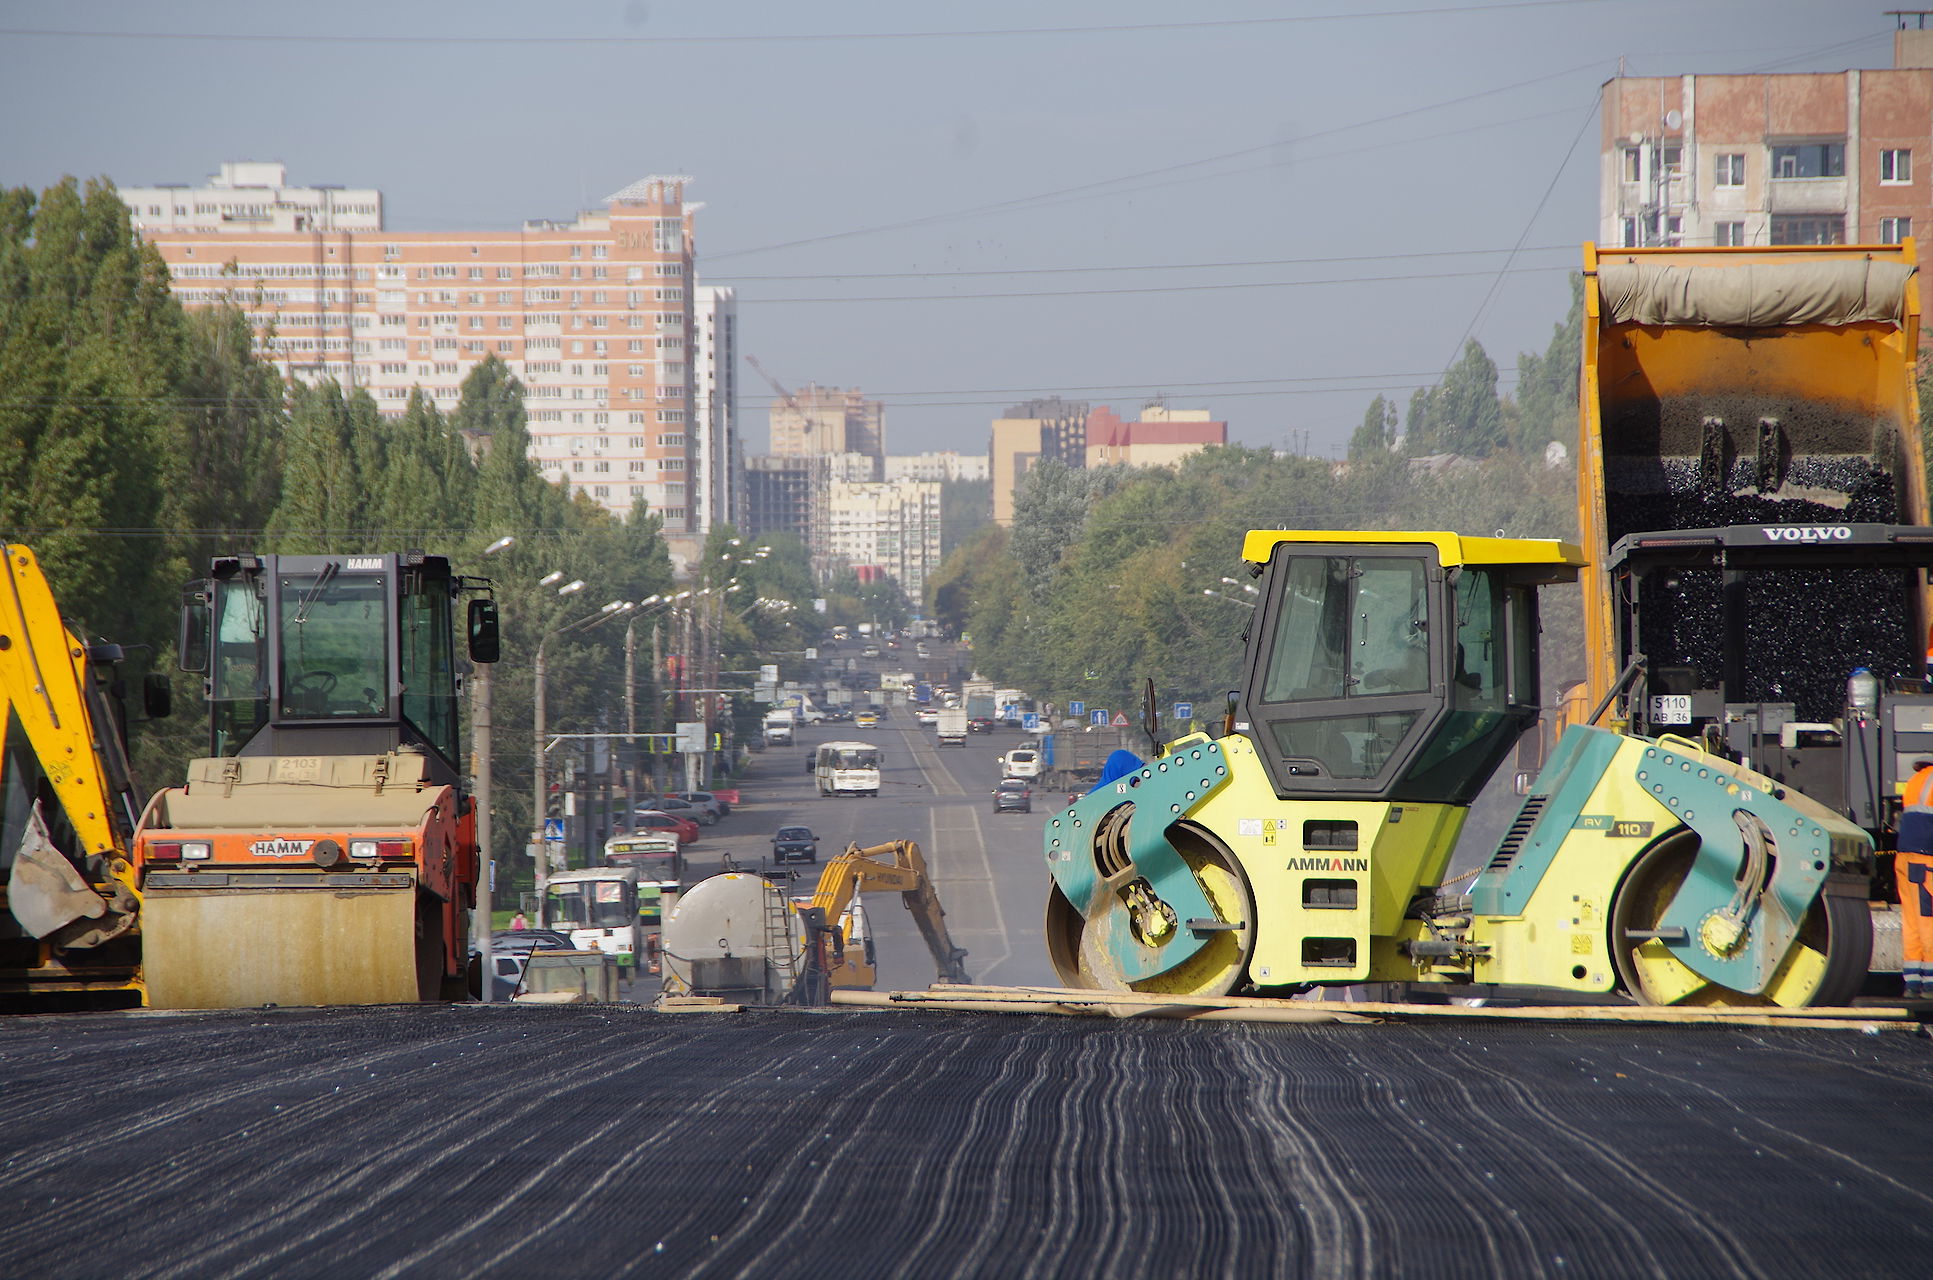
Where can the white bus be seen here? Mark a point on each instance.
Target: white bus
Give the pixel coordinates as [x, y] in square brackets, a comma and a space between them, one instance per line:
[848, 768]
[598, 908]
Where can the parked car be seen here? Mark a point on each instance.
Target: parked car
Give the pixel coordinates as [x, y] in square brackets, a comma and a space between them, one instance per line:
[703, 815]
[982, 724]
[710, 801]
[1013, 795]
[658, 819]
[927, 715]
[795, 844]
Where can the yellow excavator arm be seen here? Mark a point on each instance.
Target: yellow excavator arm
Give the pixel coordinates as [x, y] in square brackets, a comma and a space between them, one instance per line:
[898, 865]
[69, 885]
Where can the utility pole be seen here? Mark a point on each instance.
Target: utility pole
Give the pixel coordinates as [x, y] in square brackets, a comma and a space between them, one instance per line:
[480, 770]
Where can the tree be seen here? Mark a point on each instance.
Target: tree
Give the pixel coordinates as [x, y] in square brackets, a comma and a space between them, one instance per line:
[324, 502]
[1546, 402]
[1462, 413]
[1377, 434]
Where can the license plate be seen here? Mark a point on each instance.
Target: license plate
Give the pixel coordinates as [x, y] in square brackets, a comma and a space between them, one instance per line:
[1671, 708]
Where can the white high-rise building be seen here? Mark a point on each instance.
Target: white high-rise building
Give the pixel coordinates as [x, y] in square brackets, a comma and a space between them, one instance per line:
[945, 464]
[892, 524]
[718, 490]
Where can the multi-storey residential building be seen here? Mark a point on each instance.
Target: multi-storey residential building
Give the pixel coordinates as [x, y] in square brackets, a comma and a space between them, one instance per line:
[1026, 433]
[595, 316]
[718, 487]
[1072, 434]
[821, 420]
[249, 195]
[782, 496]
[942, 465]
[893, 524]
[1769, 159]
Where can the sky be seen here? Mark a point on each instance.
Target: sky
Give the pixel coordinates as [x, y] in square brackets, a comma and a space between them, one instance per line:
[1273, 211]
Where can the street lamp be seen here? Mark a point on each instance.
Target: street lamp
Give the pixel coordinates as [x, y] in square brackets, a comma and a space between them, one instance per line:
[1210, 591]
[480, 771]
[1248, 587]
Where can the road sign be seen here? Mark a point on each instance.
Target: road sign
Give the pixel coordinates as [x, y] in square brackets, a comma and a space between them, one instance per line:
[1098, 717]
[768, 673]
[691, 736]
[553, 828]
[1029, 720]
[1120, 720]
[1076, 708]
[1184, 711]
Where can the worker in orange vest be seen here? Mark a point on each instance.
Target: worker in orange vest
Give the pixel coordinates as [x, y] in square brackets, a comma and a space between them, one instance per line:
[1913, 871]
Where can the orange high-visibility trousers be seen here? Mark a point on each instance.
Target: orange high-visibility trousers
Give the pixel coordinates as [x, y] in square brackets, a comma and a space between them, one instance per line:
[1914, 874]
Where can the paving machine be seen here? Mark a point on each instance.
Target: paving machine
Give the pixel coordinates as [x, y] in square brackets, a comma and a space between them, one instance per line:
[324, 852]
[70, 930]
[1387, 676]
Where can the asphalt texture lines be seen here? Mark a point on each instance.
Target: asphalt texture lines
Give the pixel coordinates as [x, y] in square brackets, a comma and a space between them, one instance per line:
[503, 1141]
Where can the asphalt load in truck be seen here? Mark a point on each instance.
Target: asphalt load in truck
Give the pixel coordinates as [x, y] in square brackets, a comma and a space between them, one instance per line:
[1804, 630]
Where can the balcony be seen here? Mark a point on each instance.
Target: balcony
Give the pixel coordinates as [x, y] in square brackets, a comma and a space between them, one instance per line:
[1806, 195]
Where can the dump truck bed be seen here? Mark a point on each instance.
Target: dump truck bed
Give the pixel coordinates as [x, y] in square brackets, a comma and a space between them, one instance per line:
[1770, 387]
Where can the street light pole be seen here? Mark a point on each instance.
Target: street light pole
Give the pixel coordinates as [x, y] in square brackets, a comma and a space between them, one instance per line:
[480, 747]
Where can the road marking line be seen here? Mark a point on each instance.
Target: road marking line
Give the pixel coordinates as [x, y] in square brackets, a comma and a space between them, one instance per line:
[942, 782]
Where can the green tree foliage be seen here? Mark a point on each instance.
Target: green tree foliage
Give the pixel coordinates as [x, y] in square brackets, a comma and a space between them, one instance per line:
[1546, 402]
[1462, 413]
[1377, 434]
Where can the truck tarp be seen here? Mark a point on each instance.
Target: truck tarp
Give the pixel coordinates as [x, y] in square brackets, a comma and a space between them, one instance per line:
[1754, 295]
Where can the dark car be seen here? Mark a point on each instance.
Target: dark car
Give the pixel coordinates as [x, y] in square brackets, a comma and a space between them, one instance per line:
[795, 844]
[1013, 796]
[982, 724]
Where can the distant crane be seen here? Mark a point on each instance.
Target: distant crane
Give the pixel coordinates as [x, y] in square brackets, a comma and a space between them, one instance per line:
[786, 398]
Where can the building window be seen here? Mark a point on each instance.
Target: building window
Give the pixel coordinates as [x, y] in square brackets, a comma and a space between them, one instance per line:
[1808, 229]
[476, 273]
[577, 251]
[1633, 164]
[1674, 231]
[600, 251]
[1730, 170]
[1809, 160]
[1728, 233]
[503, 273]
[1671, 158]
[1628, 233]
[1894, 230]
[1895, 167]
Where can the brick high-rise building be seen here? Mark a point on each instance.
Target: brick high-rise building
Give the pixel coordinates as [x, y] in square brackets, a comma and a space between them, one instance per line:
[1771, 159]
[595, 316]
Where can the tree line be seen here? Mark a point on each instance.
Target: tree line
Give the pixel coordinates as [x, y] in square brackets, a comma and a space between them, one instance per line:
[138, 439]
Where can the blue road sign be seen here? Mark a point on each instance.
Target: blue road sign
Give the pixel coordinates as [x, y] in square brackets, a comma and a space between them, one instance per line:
[553, 828]
[1184, 711]
[1077, 708]
[1029, 720]
[1098, 716]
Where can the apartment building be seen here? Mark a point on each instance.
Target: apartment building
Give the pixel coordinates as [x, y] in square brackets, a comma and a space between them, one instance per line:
[1077, 436]
[250, 195]
[943, 464]
[822, 420]
[597, 316]
[894, 524]
[718, 458]
[1771, 159]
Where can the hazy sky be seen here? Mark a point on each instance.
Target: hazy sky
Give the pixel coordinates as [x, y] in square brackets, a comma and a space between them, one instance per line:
[1273, 211]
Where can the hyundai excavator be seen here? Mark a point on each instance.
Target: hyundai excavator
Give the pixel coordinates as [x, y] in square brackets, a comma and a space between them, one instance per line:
[1387, 676]
[69, 933]
[324, 851]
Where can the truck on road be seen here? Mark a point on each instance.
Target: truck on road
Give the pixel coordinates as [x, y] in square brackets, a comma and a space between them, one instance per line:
[951, 726]
[778, 727]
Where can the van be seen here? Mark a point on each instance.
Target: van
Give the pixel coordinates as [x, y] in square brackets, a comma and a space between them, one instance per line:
[1021, 762]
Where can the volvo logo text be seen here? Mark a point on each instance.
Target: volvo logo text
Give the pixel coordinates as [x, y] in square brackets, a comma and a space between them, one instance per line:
[1807, 533]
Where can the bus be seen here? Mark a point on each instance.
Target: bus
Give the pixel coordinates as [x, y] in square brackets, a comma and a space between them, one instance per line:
[598, 908]
[655, 854]
[848, 768]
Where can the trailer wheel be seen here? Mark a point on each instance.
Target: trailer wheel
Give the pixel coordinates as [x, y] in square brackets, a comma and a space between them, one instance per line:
[1826, 966]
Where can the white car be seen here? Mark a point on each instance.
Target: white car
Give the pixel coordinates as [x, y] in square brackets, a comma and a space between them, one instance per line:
[1021, 762]
[926, 715]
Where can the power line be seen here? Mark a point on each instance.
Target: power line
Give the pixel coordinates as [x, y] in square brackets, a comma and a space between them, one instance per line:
[1157, 288]
[1020, 202]
[1152, 266]
[814, 37]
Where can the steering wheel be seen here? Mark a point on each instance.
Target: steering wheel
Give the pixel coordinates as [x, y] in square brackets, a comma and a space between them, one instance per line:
[319, 683]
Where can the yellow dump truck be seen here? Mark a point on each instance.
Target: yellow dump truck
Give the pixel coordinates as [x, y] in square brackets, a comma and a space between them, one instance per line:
[1753, 511]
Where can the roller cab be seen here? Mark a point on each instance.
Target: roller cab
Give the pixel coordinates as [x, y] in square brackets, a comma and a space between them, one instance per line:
[324, 852]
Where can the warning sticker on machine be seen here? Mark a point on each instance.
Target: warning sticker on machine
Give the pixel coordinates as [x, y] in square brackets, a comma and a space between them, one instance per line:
[1248, 826]
[280, 848]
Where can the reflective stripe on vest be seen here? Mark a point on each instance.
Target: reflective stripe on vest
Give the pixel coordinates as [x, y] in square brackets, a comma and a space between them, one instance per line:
[1919, 793]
